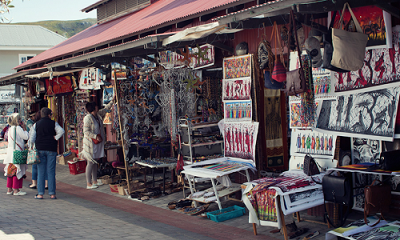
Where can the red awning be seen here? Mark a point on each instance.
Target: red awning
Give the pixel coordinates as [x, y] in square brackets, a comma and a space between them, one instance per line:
[157, 14]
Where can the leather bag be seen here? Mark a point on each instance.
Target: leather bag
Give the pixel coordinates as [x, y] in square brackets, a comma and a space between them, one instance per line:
[390, 161]
[19, 156]
[295, 79]
[271, 83]
[310, 166]
[348, 47]
[377, 200]
[337, 189]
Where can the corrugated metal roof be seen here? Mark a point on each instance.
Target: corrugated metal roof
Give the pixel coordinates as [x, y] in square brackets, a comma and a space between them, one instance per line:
[158, 13]
[28, 36]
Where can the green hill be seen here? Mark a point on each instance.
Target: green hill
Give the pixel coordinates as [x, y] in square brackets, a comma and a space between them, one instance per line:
[64, 28]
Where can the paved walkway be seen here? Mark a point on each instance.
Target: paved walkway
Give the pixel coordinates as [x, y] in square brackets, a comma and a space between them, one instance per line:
[79, 213]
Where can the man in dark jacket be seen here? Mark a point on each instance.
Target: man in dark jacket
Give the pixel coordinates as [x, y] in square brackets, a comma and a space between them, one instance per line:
[45, 134]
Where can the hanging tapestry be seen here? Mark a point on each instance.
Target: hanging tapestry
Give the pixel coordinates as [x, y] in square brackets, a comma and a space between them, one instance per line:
[318, 144]
[238, 111]
[368, 114]
[240, 140]
[381, 66]
[236, 89]
[273, 128]
[90, 79]
[296, 118]
[202, 56]
[59, 85]
[237, 67]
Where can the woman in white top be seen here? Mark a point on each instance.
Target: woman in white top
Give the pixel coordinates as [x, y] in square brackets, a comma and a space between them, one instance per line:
[15, 172]
[93, 141]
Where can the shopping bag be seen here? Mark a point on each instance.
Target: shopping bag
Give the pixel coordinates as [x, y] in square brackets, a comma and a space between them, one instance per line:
[348, 47]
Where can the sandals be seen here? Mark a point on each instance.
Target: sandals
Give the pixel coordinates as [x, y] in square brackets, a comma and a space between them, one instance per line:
[53, 198]
[32, 187]
[36, 197]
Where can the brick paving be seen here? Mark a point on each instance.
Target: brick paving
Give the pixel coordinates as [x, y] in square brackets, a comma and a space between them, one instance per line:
[79, 213]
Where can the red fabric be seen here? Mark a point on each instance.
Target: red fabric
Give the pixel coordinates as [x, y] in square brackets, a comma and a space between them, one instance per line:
[14, 182]
[279, 73]
[59, 85]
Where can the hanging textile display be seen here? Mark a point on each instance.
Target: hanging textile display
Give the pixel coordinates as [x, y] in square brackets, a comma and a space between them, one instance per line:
[237, 67]
[368, 114]
[238, 111]
[273, 128]
[318, 144]
[91, 79]
[59, 85]
[70, 124]
[239, 89]
[381, 66]
[240, 140]
[192, 57]
[52, 104]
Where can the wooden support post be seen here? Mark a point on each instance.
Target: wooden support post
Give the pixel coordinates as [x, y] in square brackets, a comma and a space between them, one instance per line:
[278, 203]
[121, 130]
[255, 229]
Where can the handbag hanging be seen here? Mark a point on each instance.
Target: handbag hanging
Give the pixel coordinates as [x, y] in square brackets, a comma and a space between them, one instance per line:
[279, 72]
[377, 200]
[33, 156]
[328, 49]
[348, 47]
[19, 157]
[271, 83]
[295, 79]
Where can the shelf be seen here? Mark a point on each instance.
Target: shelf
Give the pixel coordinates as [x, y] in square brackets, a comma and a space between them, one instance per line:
[201, 125]
[203, 144]
[227, 191]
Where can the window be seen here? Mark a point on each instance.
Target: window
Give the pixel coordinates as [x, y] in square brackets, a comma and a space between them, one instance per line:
[25, 57]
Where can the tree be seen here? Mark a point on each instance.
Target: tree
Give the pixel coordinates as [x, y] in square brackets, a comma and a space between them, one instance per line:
[5, 6]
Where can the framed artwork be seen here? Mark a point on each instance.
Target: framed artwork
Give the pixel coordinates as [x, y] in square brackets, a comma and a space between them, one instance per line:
[90, 79]
[365, 115]
[238, 111]
[297, 119]
[238, 89]
[237, 67]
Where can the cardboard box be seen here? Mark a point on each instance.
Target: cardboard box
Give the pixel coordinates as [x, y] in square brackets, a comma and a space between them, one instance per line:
[121, 189]
[64, 160]
[106, 179]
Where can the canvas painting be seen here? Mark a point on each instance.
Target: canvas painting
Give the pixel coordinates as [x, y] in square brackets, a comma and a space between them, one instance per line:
[239, 89]
[365, 115]
[238, 111]
[240, 140]
[237, 67]
[108, 93]
[296, 117]
[317, 144]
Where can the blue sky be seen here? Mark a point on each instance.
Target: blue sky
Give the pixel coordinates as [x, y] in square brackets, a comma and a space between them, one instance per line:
[41, 10]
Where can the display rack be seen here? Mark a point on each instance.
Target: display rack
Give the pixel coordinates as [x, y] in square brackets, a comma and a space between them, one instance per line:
[206, 140]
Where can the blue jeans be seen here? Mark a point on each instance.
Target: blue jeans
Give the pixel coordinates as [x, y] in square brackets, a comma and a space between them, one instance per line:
[35, 173]
[47, 164]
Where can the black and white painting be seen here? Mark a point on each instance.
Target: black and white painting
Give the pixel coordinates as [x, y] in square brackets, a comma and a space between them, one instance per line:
[369, 114]
[363, 151]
